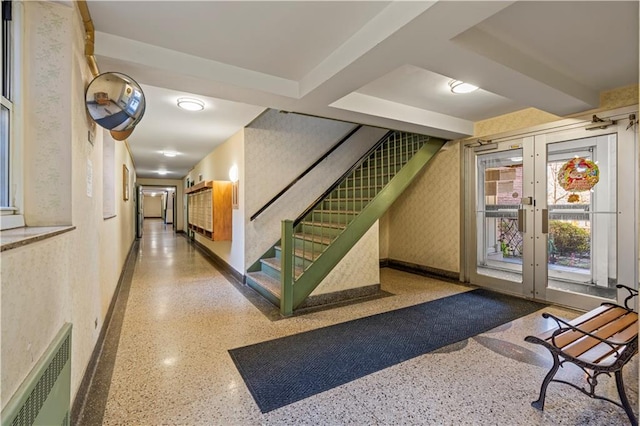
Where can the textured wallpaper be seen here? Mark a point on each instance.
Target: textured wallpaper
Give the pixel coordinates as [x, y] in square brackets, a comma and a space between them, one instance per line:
[48, 68]
[620, 97]
[610, 99]
[70, 277]
[424, 223]
[359, 268]
[277, 148]
[280, 146]
[34, 304]
[513, 121]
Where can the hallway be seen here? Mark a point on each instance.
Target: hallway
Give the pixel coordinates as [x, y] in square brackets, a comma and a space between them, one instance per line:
[170, 363]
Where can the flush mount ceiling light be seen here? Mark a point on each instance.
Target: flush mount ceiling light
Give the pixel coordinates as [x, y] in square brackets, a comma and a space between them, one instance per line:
[169, 153]
[191, 104]
[162, 172]
[458, 86]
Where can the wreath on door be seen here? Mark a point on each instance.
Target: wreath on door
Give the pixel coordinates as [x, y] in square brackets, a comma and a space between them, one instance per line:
[578, 175]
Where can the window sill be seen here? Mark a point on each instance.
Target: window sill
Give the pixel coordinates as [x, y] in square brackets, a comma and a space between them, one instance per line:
[18, 237]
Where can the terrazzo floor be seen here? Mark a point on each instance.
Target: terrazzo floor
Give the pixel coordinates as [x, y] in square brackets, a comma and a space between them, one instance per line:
[169, 365]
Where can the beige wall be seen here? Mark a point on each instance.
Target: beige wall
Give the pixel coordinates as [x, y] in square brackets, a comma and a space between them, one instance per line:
[215, 166]
[423, 225]
[70, 277]
[47, 109]
[359, 268]
[528, 117]
[152, 206]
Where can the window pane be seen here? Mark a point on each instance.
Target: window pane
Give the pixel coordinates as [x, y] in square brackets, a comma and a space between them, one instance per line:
[7, 42]
[4, 156]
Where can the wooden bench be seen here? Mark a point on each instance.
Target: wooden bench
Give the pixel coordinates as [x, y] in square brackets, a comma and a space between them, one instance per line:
[601, 341]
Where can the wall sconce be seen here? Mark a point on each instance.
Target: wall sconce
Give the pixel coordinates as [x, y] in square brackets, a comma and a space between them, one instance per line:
[233, 177]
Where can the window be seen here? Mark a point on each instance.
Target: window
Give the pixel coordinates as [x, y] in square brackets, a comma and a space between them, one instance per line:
[6, 104]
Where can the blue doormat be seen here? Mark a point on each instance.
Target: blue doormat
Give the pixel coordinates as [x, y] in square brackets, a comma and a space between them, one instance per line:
[285, 370]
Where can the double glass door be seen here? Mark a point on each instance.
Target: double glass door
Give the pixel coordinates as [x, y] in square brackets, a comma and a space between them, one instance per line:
[548, 221]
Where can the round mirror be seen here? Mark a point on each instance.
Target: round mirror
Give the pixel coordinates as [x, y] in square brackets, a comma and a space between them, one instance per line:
[115, 101]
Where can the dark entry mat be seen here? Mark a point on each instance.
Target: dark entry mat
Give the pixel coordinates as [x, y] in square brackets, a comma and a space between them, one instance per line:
[282, 371]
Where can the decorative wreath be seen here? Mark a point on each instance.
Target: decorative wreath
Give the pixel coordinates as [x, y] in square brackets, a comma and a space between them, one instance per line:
[578, 174]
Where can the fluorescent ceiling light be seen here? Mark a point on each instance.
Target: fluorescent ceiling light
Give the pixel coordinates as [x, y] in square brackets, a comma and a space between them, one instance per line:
[169, 153]
[516, 159]
[191, 104]
[458, 86]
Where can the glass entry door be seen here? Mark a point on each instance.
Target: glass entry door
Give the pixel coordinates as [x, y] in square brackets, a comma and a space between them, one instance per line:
[502, 183]
[548, 221]
[580, 249]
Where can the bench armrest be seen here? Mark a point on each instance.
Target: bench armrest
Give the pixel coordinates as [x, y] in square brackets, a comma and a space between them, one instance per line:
[563, 326]
[632, 293]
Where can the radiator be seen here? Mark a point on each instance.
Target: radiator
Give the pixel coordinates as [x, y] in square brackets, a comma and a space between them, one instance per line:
[44, 396]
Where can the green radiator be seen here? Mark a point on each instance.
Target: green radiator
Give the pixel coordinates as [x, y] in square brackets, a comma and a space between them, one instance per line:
[44, 396]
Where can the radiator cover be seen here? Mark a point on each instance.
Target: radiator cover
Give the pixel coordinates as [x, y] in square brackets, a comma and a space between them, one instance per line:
[44, 396]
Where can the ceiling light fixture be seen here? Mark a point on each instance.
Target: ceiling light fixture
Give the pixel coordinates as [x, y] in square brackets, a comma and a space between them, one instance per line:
[162, 172]
[191, 104]
[169, 153]
[458, 86]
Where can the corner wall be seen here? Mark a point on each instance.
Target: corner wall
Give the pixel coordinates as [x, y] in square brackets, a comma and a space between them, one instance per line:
[278, 147]
[423, 225]
[70, 277]
[215, 166]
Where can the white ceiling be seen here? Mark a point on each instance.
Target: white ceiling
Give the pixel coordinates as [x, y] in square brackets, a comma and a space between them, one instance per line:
[378, 63]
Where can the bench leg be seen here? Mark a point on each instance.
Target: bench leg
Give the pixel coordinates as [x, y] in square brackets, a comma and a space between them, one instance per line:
[539, 403]
[624, 399]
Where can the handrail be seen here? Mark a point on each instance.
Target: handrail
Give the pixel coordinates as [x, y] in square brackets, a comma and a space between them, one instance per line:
[303, 174]
[343, 177]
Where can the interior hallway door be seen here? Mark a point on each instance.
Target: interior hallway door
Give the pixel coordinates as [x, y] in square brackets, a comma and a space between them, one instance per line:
[139, 211]
[552, 216]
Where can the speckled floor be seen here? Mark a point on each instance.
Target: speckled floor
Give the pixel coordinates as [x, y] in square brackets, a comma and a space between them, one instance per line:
[171, 364]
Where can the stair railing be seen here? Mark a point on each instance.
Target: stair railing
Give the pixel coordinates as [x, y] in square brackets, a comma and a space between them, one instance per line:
[328, 217]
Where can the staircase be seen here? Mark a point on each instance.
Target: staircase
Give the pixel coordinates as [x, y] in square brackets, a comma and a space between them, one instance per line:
[314, 243]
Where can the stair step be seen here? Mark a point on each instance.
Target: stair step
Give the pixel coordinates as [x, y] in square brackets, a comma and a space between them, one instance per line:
[267, 282]
[313, 238]
[325, 224]
[275, 264]
[354, 212]
[302, 254]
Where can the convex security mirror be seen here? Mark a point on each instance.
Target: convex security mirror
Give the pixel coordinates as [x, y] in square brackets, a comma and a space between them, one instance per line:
[116, 102]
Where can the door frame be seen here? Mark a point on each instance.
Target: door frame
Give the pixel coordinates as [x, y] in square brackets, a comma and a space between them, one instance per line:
[627, 206]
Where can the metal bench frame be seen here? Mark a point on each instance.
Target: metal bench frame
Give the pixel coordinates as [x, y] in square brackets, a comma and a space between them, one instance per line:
[623, 351]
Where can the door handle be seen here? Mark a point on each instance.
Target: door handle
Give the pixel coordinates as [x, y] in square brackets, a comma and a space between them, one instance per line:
[522, 214]
[545, 221]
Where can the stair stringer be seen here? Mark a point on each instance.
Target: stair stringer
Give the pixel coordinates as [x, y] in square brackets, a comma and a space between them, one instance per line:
[320, 268]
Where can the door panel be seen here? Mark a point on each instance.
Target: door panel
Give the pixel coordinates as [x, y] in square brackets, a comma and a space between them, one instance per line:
[501, 220]
[554, 216]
